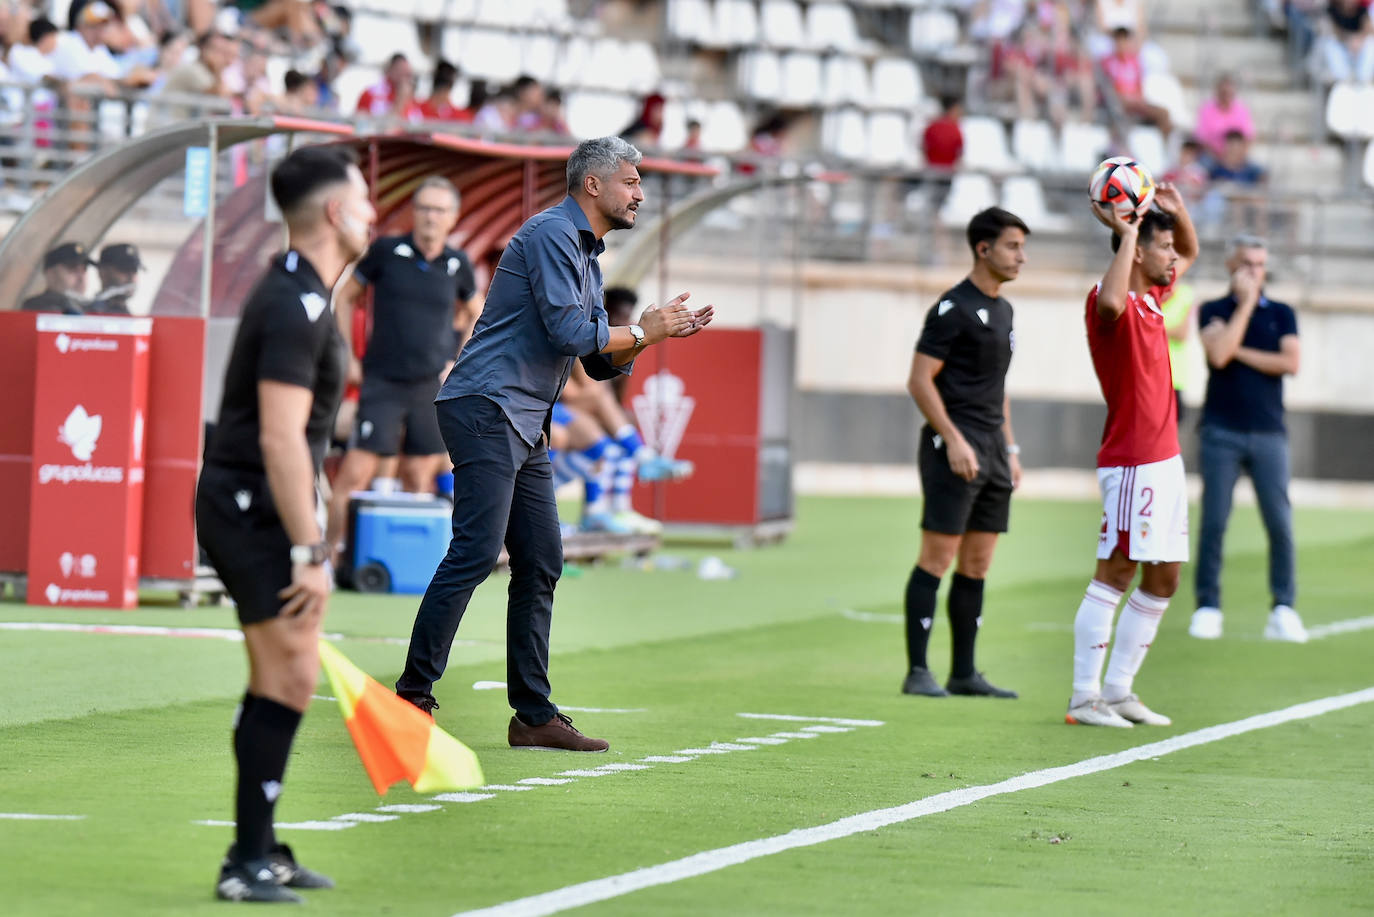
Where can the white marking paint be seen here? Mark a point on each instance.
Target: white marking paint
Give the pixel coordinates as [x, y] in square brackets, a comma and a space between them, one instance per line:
[763, 740]
[1335, 628]
[732, 746]
[322, 697]
[605, 709]
[709, 861]
[796, 735]
[585, 773]
[612, 768]
[232, 635]
[488, 686]
[668, 759]
[507, 787]
[463, 797]
[36, 816]
[872, 617]
[789, 718]
[702, 751]
[545, 781]
[827, 729]
[371, 817]
[293, 826]
[409, 808]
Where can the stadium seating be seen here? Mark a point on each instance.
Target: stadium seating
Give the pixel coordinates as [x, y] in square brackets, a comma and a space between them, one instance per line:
[801, 80]
[723, 129]
[596, 113]
[690, 21]
[830, 27]
[781, 25]
[969, 193]
[1146, 144]
[736, 23]
[932, 31]
[889, 139]
[760, 75]
[1350, 111]
[896, 83]
[844, 81]
[985, 146]
[1081, 148]
[844, 133]
[1032, 143]
[387, 35]
[1024, 196]
[1368, 170]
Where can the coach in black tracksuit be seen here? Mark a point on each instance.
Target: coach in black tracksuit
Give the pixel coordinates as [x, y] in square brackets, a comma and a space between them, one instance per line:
[968, 455]
[256, 512]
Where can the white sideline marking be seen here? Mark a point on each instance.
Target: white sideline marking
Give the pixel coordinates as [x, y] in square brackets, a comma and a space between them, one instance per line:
[786, 717]
[732, 746]
[464, 797]
[871, 617]
[668, 759]
[322, 697]
[763, 740]
[796, 735]
[372, 817]
[1340, 627]
[827, 729]
[702, 751]
[488, 686]
[232, 635]
[294, 826]
[612, 768]
[586, 773]
[713, 860]
[604, 709]
[545, 781]
[509, 788]
[408, 808]
[34, 816]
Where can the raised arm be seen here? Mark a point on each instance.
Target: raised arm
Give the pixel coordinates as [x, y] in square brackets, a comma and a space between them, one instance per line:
[1221, 338]
[1186, 246]
[1115, 287]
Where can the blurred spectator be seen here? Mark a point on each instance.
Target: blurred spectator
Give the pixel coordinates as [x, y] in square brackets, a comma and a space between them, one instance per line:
[394, 95]
[32, 64]
[300, 95]
[1234, 165]
[439, 106]
[769, 137]
[83, 57]
[205, 75]
[549, 118]
[1048, 69]
[1345, 51]
[329, 71]
[994, 21]
[64, 280]
[645, 130]
[943, 139]
[693, 140]
[499, 113]
[1127, 75]
[173, 48]
[1189, 173]
[118, 269]
[1110, 15]
[296, 17]
[529, 102]
[248, 80]
[1235, 181]
[1221, 114]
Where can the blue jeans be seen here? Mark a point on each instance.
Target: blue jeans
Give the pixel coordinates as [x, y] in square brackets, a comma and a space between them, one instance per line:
[1264, 456]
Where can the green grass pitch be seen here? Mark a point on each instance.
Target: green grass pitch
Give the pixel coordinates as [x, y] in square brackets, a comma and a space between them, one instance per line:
[132, 732]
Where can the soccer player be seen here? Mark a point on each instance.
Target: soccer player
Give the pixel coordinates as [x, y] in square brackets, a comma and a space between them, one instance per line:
[256, 506]
[969, 459]
[1139, 469]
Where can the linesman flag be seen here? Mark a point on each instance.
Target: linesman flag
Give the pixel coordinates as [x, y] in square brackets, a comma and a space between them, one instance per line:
[395, 740]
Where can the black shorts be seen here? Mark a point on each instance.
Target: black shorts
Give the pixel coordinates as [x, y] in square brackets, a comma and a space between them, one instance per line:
[954, 506]
[238, 526]
[397, 417]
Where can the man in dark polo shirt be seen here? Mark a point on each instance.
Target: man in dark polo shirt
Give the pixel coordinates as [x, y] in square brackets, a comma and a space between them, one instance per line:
[118, 269]
[422, 298]
[543, 311]
[64, 276]
[1251, 343]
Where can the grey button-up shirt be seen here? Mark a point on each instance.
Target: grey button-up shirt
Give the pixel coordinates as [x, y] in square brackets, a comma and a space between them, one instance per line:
[543, 309]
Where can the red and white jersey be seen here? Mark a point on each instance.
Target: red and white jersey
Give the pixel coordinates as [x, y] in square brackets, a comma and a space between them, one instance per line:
[1131, 357]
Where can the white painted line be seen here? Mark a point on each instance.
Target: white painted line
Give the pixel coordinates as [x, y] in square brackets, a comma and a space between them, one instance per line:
[371, 817]
[34, 816]
[509, 788]
[709, 861]
[788, 718]
[732, 746]
[545, 781]
[408, 808]
[612, 768]
[488, 686]
[796, 735]
[763, 740]
[586, 773]
[668, 759]
[827, 729]
[1321, 631]
[464, 797]
[232, 635]
[322, 697]
[872, 617]
[702, 751]
[605, 709]
[294, 826]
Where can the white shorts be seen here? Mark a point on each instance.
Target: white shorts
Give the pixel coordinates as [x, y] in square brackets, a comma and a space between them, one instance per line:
[1144, 512]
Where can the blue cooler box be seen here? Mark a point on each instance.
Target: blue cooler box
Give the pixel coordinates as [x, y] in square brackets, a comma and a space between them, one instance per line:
[397, 540]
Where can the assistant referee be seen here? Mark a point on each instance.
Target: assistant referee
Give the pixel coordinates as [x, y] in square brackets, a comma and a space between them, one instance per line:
[968, 455]
[256, 504]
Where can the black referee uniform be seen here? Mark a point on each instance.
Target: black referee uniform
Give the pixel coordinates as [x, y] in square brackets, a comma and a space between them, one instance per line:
[287, 334]
[412, 341]
[972, 334]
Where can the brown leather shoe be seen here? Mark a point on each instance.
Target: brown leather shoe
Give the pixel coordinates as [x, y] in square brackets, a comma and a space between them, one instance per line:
[558, 734]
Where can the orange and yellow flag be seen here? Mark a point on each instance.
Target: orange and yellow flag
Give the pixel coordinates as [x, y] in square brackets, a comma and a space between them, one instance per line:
[395, 740]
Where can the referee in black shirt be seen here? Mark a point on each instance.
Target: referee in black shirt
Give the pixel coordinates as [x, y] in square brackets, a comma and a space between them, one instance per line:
[422, 300]
[968, 455]
[256, 502]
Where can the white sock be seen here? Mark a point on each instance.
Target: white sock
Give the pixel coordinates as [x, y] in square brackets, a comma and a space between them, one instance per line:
[1092, 632]
[1134, 633]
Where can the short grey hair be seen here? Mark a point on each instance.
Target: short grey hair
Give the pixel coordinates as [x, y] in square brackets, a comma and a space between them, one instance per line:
[599, 157]
[443, 184]
[1245, 240]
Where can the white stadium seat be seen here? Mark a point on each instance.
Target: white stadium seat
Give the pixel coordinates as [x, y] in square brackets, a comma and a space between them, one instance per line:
[1032, 143]
[488, 54]
[736, 23]
[889, 139]
[640, 65]
[1146, 146]
[676, 113]
[574, 62]
[379, 37]
[1024, 196]
[508, 14]
[830, 27]
[546, 14]
[969, 193]
[760, 75]
[1350, 111]
[801, 80]
[844, 81]
[780, 25]
[932, 31]
[690, 21]
[593, 113]
[723, 129]
[1164, 90]
[445, 10]
[1081, 148]
[539, 56]
[1369, 165]
[985, 146]
[844, 133]
[350, 84]
[896, 83]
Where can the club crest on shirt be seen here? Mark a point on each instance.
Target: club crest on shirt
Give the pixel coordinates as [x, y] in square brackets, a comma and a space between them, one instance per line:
[945, 306]
[1144, 530]
[314, 304]
[452, 266]
[404, 250]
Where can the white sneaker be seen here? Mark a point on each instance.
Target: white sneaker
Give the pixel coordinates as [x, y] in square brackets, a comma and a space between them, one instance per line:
[1096, 712]
[637, 524]
[1284, 624]
[1130, 707]
[1206, 624]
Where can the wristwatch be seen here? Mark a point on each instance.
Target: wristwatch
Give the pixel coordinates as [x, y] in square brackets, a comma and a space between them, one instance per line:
[1013, 449]
[638, 332]
[310, 554]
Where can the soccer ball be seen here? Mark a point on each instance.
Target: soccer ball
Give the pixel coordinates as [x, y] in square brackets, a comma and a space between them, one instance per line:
[1124, 184]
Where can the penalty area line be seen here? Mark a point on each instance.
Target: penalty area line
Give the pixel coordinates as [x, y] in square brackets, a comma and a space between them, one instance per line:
[709, 861]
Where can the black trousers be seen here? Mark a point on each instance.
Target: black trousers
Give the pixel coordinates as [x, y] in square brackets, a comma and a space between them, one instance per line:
[502, 492]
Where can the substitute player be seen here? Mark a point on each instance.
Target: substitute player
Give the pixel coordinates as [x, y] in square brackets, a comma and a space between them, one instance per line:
[969, 459]
[256, 503]
[1139, 469]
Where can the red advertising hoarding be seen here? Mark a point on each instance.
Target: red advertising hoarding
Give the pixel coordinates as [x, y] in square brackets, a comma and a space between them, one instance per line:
[86, 489]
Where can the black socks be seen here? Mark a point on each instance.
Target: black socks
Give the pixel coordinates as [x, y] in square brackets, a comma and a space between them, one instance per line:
[920, 614]
[965, 609]
[262, 742]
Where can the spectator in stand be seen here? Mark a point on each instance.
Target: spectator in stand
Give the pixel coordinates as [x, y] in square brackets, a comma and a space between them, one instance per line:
[329, 71]
[1111, 15]
[645, 130]
[1345, 52]
[549, 118]
[1048, 68]
[172, 50]
[996, 21]
[529, 97]
[943, 140]
[693, 141]
[205, 75]
[64, 280]
[1127, 74]
[499, 113]
[439, 106]
[1235, 182]
[83, 58]
[32, 64]
[1221, 114]
[395, 95]
[769, 137]
[118, 269]
[1234, 165]
[300, 95]
[1189, 173]
[296, 17]
[253, 90]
